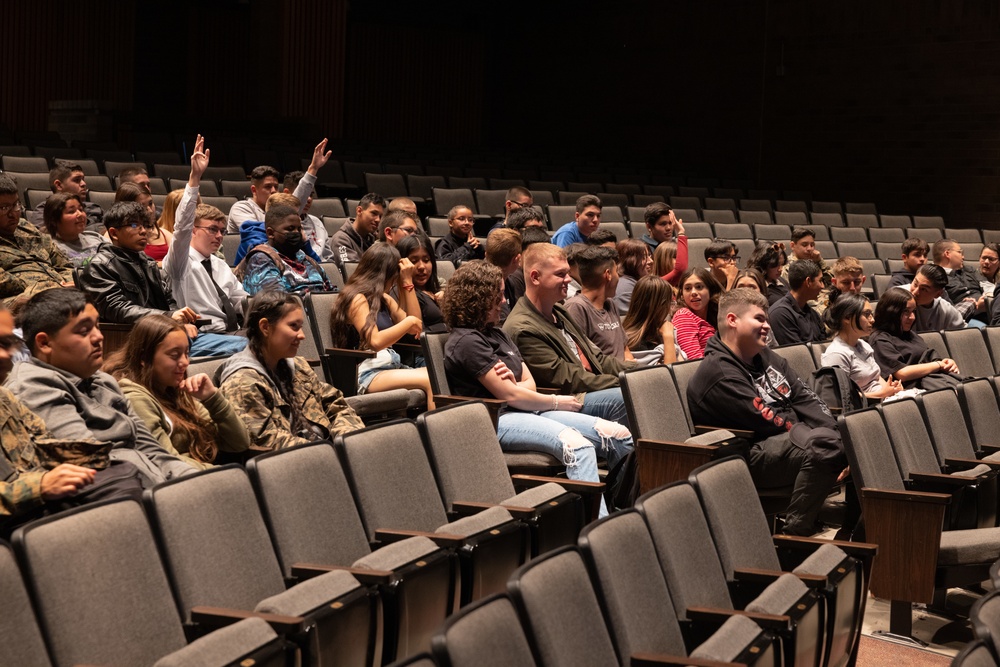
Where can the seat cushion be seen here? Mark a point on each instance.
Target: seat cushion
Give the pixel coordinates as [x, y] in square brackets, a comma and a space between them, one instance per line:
[731, 639]
[966, 547]
[310, 594]
[535, 496]
[822, 562]
[780, 596]
[477, 523]
[397, 554]
[225, 645]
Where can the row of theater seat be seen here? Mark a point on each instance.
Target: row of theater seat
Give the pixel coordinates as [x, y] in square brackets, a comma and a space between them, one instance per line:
[691, 575]
[352, 552]
[984, 650]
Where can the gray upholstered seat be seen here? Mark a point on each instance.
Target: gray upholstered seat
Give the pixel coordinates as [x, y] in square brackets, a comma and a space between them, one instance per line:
[99, 618]
[20, 635]
[485, 634]
[311, 517]
[218, 553]
[982, 413]
[395, 489]
[968, 348]
[464, 450]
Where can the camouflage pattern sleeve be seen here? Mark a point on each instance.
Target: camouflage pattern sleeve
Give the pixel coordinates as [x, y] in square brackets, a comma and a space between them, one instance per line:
[333, 409]
[263, 411]
[58, 258]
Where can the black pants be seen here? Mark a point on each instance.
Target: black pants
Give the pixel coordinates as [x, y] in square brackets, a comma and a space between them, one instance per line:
[802, 459]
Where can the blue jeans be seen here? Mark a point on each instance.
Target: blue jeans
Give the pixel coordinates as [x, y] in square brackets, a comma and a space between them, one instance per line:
[217, 345]
[577, 449]
[606, 404]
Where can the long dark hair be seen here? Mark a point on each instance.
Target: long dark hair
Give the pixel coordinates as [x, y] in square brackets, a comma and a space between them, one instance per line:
[714, 290]
[847, 306]
[135, 362]
[412, 243]
[890, 309]
[652, 301]
[53, 210]
[379, 266]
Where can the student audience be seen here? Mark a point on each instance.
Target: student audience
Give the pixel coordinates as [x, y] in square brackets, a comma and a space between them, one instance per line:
[365, 317]
[792, 317]
[276, 393]
[695, 319]
[482, 361]
[933, 312]
[157, 239]
[963, 288]
[722, 258]
[914, 256]
[769, 259]
[281, 263]
[851, 318]
[649, 332]
[586, 220]
[67, 176]
[66, 222]
[460, 244]
[592, 309]
[187, 415]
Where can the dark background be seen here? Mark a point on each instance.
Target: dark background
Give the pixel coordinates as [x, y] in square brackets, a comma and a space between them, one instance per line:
[892, 101]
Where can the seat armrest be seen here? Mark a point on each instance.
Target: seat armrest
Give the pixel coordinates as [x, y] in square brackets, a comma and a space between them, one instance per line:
[217, 617]
[965, 464]
[447, 540]
[907, 496]
[468, 508]
[738, 432]
[753, 575]
[988, 449]
[303, 571]
[860, 550]
[653, 659]
[357, 355]
[592, 492]
[777, 622]
[925, 479]
[548, 390]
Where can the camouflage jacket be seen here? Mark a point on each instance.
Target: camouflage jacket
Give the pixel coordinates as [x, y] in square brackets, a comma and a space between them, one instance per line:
[28, 453]
[266, 413]
[29, 263]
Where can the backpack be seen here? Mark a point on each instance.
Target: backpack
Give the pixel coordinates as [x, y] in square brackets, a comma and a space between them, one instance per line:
[835, 387]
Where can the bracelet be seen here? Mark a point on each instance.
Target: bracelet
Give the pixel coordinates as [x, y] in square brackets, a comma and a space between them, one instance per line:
[408, 287]
[555, 402]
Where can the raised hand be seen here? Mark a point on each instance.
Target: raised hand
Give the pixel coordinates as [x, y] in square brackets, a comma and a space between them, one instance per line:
[319, 158]
[199, 160]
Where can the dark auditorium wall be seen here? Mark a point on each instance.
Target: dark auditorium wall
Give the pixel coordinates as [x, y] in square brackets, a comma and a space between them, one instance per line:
[895, 101]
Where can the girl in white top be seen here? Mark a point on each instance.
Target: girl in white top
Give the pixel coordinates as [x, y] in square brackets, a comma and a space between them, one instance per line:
[850, 317]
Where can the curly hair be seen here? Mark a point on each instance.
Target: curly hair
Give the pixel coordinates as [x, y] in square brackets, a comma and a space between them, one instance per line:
[472, 291]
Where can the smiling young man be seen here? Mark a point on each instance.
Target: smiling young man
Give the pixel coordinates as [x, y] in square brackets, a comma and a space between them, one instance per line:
[741, 384]
[933, 312]
[357, 235]
[201, 281]
[396, 225]
[557, 352]
[587, 219]
[69, 177]
[791, 316]
[62, 383]
[29, 261]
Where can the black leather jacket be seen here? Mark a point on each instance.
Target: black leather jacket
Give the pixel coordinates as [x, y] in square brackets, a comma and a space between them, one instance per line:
[126, 285]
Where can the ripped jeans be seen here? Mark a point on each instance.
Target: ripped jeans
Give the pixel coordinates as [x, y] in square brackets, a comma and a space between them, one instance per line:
[572, 437]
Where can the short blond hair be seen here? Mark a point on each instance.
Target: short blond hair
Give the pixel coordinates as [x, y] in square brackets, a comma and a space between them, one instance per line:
[849, 265]
[539, 253]
[283, 199]
[502, 246]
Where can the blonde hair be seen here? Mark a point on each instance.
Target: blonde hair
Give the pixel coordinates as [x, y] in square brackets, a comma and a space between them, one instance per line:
[847, 265]
[170, 205]
[664, 257]
[282, 199]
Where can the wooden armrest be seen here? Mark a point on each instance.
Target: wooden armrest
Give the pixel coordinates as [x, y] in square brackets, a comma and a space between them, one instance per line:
[738, 432]
[653, 659]
[989, 449]
[766, 621]
[548, 390]
[467, 508]
[344, 352]
[856, 549]
[217, 617]
[365, 576]
[966, 464]
[754, 575]
[490, 403]
[674, 445]
[574, 485]
[938, 479]
[441, 539]
[907, 496]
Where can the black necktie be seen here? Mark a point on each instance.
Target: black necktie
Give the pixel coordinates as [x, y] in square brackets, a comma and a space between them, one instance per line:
[232, 318]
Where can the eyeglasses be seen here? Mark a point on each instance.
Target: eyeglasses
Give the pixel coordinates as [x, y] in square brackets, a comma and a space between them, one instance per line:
[989, 260]
[868, 313]
[7, 208]
[729, 258]
[213, 230]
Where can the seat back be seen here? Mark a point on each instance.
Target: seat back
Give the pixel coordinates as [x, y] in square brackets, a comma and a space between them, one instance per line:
[683, 372]
[307, 506]
[487, 633]
[968, 348]
[433, 346]
[910, 440]
[632, 591]
[993, 341]
[445, 199]
[735, 516]
[465, 453]
[799, 358]
[214, 541]
[19, 632]
[869, 450]
[982, 413]
[944, 421]
[684, 548]
[543, 591]
[98, 585]
[391, 478]
[985, 617]
[935, 341]
[655, 409]
[491, 202]
[208, 365]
